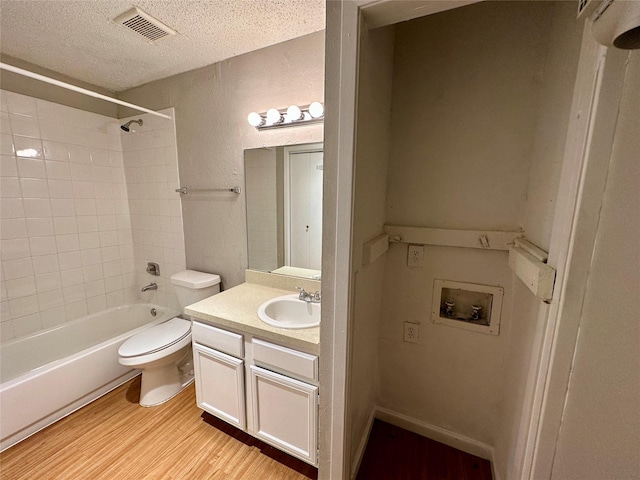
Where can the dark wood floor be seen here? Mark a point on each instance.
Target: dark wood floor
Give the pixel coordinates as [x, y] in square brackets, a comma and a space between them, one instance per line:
[397, 454]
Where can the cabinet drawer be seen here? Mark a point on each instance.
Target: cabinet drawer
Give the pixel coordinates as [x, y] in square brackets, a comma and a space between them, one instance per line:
[222, 340]
[285, 360]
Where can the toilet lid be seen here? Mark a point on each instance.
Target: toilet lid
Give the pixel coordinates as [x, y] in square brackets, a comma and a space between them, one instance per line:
[155, 338]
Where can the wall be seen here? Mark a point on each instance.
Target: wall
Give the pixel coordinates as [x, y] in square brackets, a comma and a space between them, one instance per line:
[466, 90]
[371, 165]
[554, 104]
[211, 106]
[13, 82]
[151, 170]
[600, 432]
[66, 238]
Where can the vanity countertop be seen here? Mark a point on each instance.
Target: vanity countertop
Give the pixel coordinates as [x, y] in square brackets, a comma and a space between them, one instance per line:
[237, 308]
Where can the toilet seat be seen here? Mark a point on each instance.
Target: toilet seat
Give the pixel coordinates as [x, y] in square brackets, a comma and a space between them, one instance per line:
[156, 338]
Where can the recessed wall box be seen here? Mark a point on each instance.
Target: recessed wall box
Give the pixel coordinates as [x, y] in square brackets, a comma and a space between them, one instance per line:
[467, 305]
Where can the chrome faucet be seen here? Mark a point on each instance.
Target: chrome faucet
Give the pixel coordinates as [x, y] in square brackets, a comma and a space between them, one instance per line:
[151, 286]
[309, 297]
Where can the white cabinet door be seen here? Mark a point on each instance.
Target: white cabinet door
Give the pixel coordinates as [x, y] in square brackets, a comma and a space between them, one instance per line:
[220, 384]
[285, 413]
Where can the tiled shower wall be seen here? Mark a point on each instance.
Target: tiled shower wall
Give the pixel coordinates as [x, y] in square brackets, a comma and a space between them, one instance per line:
[68, 244]
[151, 167]
[66, 237]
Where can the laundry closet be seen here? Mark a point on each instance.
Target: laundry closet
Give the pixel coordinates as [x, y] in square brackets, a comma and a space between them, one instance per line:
[462, 121]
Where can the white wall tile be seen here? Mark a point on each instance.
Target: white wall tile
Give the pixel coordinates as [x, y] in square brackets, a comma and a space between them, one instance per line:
[43, 245]
[67, 243]
[85, 206]
[24, 125]
[17, 268]
[69, 260]
[68, 236]
[52, 130]
[63, 207]
[8, 166]
[34, 188]
[60, 189]
[46, 282]
[21, 287]
[37, 207]
[28, 147]
[23, 306]
[11, 208]
[53, 317]
[40, 227]
[58, 170]
[51, 299]
[27, 324]
[14, 248]
[22, 104]
[55, 151]
[45, 264]
[65, 225]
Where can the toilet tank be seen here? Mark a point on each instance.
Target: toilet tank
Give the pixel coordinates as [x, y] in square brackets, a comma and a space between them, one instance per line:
[192, 286]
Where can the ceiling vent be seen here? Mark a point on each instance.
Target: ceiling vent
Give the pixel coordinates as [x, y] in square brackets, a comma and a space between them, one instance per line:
[144, 25]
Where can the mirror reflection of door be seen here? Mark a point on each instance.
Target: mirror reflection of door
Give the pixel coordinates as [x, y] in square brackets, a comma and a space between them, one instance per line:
[303, 207]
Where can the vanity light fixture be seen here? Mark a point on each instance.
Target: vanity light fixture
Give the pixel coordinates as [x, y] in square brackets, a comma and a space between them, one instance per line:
[291, 117]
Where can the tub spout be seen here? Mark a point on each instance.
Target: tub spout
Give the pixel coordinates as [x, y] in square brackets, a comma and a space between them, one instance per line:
[151, 286]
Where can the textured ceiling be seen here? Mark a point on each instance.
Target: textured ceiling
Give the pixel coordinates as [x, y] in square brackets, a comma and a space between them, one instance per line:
[78, 38]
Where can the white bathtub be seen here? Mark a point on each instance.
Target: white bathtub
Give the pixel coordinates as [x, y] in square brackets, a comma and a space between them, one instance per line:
[48, 375]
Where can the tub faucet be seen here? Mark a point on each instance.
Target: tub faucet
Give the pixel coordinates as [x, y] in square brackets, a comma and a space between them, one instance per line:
[151, 286]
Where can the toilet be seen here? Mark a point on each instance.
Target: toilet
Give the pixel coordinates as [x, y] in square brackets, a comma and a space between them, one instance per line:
[163, 352]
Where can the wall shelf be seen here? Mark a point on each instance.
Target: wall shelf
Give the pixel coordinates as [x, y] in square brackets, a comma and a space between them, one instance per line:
[482, 239]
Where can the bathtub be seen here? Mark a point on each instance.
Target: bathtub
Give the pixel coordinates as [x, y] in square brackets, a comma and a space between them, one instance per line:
[48, 375]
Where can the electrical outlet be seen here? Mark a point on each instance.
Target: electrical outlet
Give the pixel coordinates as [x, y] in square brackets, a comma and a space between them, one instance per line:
[415, 255]
[411, 332]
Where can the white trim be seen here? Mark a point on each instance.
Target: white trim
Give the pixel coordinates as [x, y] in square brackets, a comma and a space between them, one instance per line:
[83, 91]
[439, 434]
[590, 134]
[362, 446]
[341, 52]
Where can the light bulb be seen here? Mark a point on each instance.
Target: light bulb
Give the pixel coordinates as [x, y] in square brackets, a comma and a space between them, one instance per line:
[316, 109]
[273, 116]
[294, 113]
[254, 119]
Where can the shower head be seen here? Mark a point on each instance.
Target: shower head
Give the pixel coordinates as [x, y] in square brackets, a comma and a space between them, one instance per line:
[126, 128]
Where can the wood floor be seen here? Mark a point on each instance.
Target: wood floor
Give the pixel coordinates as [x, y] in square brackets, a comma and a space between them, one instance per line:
[114, 438]
[396, 454]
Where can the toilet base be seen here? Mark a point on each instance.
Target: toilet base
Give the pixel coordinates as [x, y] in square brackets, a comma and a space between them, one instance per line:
[154, 392]
[161, 383]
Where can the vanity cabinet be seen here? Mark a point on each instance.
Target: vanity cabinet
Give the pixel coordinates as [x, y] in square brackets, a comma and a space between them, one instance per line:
[267, 390]
[284, 398]
[219, 373]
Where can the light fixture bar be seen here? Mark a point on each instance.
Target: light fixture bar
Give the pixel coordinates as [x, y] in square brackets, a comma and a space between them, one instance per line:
[299, 123]
[73, 88]
[278, 118]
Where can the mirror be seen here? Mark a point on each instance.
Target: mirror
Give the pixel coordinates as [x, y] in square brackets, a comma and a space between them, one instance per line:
[283, 191]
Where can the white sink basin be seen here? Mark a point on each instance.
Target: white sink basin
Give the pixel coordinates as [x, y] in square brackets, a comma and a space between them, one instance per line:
[289, 312]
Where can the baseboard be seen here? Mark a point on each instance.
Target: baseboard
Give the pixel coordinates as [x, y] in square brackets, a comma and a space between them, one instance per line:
[355, 464]
[455, 440]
